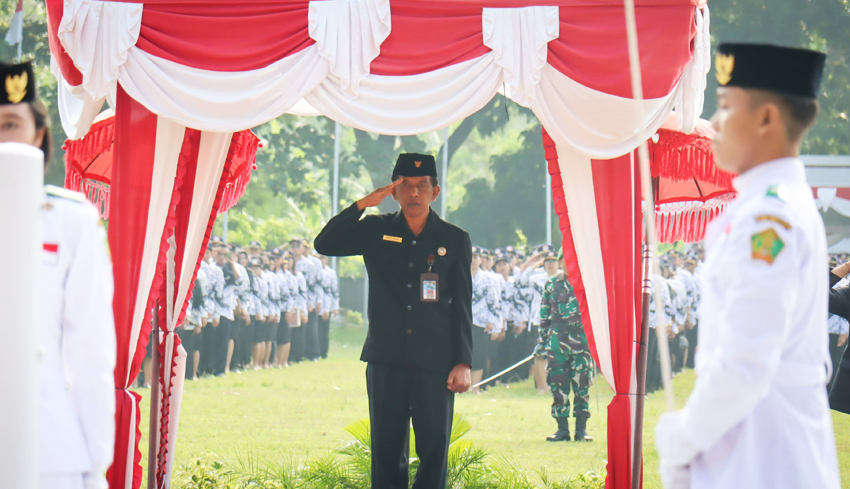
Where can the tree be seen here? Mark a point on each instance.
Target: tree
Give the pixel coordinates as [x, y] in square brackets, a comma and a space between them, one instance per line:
[815, 24]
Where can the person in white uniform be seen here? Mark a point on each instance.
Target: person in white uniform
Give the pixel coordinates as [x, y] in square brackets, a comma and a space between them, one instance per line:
[758, 415]
[77, 400]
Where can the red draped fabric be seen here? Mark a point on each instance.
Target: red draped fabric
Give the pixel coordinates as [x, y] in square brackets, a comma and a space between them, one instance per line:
[233, 36]
[424, 40]
[589, 48]
[130, 200]
[616, 185]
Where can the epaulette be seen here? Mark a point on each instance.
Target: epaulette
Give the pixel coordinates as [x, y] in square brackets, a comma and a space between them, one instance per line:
[63, 193]
[778, 192]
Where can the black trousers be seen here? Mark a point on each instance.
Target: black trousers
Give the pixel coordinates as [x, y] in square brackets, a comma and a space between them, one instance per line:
[311, 336]
[236, 334]
[245, 344]
[653, 363]
[835, 353]
[398, 394]
[324, 336]
[222, 339]
[296, 349]
[208, 336]
[692, 335]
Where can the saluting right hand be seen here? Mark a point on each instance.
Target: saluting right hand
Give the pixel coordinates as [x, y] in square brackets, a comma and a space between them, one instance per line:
[378, 195]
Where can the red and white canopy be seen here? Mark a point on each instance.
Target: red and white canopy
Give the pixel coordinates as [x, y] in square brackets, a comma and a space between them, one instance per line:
[395, 67]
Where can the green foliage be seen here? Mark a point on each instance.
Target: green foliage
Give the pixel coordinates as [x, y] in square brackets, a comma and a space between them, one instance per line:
[816, 24]
[349, 467]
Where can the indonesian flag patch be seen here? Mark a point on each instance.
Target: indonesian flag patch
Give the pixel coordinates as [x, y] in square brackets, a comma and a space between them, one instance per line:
[50, 255]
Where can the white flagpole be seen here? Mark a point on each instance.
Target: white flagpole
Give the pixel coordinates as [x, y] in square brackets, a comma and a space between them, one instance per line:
[335, 193]
[21, 300]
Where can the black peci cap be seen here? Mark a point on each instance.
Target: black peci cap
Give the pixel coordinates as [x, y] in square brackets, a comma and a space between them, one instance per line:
[789, 71]
[415, 165]
[18, 83]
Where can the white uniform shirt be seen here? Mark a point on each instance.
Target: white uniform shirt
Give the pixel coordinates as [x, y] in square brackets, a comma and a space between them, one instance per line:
[758, 415]
[485, 300]
[77, 412]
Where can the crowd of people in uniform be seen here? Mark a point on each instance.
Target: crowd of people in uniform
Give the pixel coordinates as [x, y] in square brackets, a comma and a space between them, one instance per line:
[678, 289]
[258, 308]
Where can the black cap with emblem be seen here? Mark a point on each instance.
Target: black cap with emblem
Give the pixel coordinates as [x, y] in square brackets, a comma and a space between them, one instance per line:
[415, 165]
[790, 71]
[18, 83]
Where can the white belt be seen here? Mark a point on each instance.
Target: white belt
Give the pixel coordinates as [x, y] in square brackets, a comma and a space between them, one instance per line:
[791, 374]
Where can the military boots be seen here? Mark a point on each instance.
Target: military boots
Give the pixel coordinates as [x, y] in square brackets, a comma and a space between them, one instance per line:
[563, 433]
[581, 429]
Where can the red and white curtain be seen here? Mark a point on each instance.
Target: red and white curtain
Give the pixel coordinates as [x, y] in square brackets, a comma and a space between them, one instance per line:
[394, 67]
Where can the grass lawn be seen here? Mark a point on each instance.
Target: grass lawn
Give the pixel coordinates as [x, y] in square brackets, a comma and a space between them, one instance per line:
[301, 412]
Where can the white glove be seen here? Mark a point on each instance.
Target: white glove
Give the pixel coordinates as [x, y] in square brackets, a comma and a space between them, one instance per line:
[674, 448]
[675, 476]
[92, 480]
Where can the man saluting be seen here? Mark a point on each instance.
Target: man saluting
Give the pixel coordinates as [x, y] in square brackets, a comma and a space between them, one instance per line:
[419, 346]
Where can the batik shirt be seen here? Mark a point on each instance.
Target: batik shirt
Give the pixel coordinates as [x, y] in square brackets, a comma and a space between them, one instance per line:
[272, 303]
[285, 291]
[259, 295]
[243, 284]
[302, 292]
[209, 300]
[497, 281]
[659, 284]
[330, 290]
[318, 288]
[678, 303]
[558, 309]
[535, 284]
[229, 297]
[485, 300]
[194, 314]
[691, 301]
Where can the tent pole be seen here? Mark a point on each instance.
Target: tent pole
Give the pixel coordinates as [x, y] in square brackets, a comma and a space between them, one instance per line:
[335, 192]
[154, 418]
[224, 226]
[548, 205]
[445, 173]
[651, 244]
[643, 347]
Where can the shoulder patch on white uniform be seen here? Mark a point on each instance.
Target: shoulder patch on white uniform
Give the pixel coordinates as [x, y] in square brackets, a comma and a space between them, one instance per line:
[778, 192]
[63, 193]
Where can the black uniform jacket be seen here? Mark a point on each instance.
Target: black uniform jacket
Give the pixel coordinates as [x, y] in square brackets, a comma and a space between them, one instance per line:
[839, 304]
[403, 330]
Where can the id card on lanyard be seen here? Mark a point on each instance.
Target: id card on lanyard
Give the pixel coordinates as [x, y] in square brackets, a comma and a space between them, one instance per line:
[429, 284]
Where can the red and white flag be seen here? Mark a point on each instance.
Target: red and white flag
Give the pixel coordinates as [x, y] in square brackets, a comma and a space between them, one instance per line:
[15, 33]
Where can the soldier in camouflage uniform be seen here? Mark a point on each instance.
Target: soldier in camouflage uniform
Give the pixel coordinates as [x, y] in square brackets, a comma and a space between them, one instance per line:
[570, 363]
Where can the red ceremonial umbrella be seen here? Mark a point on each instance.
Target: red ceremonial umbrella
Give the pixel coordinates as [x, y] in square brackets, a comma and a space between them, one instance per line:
[689, 188]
